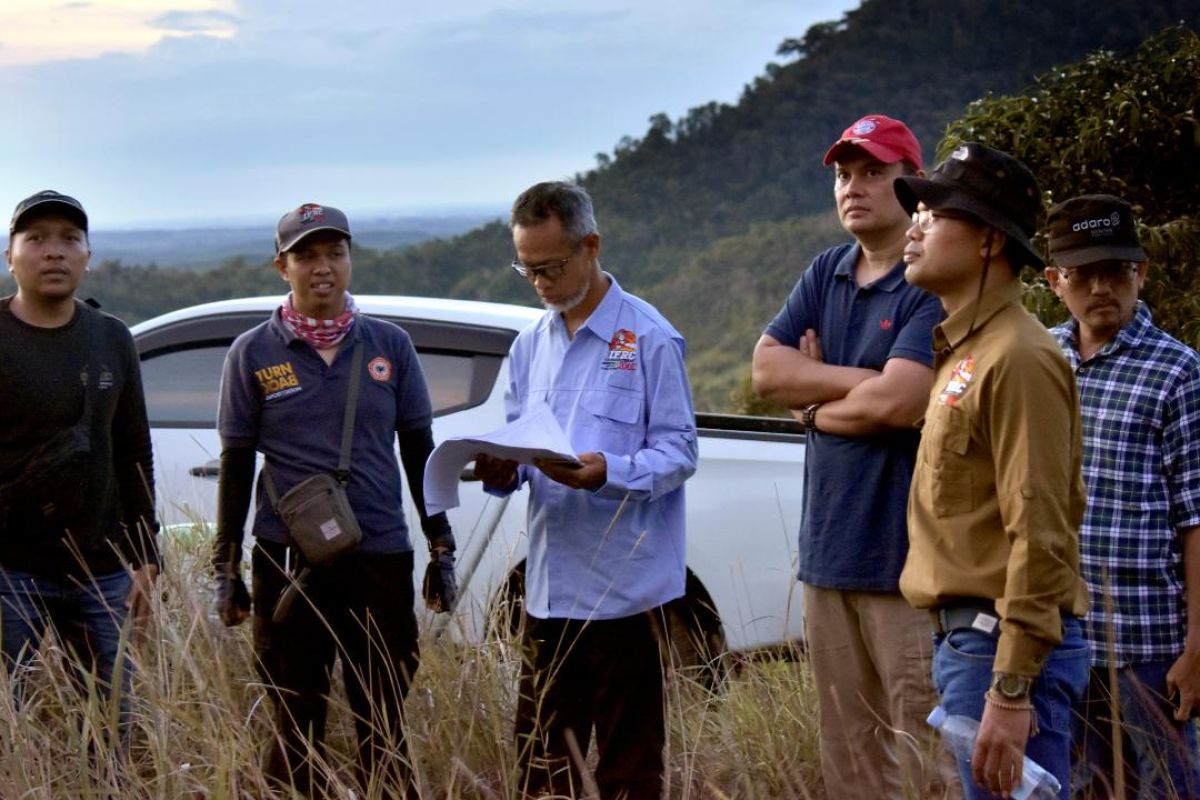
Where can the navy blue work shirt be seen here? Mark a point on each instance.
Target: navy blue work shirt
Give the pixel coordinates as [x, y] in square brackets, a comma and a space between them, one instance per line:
[279, 396]
[854, 534]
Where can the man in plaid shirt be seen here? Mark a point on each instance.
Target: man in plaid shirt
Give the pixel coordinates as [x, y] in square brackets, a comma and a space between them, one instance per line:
[1139, 395]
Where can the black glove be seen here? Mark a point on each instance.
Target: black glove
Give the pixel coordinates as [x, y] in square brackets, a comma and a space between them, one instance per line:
[440, 588]
[230, 598]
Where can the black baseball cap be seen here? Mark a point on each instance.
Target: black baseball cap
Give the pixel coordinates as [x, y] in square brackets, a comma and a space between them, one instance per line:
[45, 202]
[1090, 228]
[305, 220]
[985, 183]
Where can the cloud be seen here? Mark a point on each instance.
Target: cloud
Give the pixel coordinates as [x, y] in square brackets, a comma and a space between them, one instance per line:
[194, 21]
[370, 101]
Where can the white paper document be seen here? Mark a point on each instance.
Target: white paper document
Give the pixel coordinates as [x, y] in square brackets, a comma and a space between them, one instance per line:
[534, 434]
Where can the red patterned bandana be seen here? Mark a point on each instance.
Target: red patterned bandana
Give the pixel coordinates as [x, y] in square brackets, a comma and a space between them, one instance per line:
[322, 334]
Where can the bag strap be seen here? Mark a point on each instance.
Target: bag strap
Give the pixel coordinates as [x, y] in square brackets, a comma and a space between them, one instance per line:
[342, 474]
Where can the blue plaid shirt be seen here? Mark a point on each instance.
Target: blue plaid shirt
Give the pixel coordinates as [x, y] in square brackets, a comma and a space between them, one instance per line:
[1140, 402]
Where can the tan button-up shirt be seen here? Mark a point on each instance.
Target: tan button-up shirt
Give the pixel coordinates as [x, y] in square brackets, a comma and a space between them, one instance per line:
[997, 496]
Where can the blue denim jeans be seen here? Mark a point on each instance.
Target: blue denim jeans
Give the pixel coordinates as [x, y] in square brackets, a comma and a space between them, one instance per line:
[962, 673]
[1160, 754]
[88, 615]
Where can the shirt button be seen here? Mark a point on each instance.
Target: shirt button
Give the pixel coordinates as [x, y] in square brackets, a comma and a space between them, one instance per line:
[1082, 370]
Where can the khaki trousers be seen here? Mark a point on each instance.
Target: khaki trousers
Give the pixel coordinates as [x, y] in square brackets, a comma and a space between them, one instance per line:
[871, 657]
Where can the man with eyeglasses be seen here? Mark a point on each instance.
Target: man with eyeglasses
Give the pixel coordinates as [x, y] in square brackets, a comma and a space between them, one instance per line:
[850, 352]
[997, 497]
[1139, 390]
[606, 535]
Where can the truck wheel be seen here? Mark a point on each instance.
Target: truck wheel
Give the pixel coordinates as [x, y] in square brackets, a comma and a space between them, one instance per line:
[694, 647]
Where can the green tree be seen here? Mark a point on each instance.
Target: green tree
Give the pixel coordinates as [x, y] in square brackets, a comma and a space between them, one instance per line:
[1117, 125]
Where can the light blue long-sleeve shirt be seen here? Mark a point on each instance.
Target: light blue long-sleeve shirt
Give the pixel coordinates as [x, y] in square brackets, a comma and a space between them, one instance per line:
[618, 387]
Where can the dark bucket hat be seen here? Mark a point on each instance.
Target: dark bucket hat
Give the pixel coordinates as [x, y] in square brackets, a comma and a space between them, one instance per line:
[985, 183]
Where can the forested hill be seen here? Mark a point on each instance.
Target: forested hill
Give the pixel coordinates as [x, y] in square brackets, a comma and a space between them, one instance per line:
[712, 216]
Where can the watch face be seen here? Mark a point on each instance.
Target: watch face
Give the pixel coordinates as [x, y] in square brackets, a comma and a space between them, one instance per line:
[1013, 687]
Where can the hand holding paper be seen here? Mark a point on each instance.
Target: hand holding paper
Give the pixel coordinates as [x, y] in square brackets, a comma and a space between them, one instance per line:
[534, 435]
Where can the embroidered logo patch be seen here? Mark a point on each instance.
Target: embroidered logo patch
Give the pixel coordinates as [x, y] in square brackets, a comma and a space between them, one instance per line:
[863, 127]
[311, 212]
[885, 324]
[960, 379]
[380, 369]
[277, 380]
[622, 351]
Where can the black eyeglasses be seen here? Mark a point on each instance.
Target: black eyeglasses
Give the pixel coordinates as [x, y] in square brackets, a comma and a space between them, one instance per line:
[1111, 272]
[550, 270]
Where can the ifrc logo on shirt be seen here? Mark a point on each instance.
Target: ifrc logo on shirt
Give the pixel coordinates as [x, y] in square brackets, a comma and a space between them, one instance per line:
[622, 351]
[960, 380]
[380, 369]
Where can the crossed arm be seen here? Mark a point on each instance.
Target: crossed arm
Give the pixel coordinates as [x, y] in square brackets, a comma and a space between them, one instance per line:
[855, 401]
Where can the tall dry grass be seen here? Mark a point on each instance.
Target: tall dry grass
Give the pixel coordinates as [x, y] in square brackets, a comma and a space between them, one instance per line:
[200, 719]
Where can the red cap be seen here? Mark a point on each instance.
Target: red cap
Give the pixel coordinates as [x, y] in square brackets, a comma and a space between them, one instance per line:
[887, 139]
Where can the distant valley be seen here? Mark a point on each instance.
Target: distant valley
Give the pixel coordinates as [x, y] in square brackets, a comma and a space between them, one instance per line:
[204, 248]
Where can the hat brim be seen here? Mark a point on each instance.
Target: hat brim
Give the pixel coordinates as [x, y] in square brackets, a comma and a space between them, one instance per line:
[877, 151]
[936, 195]
[1090, 255]
[47, 207]
[295, 240]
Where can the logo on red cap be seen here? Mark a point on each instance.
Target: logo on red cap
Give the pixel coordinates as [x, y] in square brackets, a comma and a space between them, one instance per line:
[863, 127]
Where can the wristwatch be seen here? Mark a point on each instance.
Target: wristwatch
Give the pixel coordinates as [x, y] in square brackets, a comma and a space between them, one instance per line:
[810, 417]
[1012, 687]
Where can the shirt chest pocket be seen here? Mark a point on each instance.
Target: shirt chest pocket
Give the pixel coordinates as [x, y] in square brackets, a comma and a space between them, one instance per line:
[949, 440]
[614, 420]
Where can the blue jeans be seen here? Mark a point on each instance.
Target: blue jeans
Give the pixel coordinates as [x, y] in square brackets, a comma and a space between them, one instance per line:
[1160, 754]
[88, 615]
[962, 673]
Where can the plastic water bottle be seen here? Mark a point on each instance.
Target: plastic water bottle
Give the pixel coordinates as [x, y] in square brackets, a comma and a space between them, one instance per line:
[958, 732]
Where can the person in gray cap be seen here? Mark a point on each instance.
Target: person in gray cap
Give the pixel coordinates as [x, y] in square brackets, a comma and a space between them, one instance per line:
[78, 552]
[1139, 390]
[997, 497]
[285, 391]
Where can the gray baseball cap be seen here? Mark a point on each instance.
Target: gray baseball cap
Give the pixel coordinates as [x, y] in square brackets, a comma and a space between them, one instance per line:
[308, 219]
[45, 202]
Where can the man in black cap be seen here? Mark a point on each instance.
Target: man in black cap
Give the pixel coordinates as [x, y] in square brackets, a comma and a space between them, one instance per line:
[997, 496]
[284, 392]
[77, 526]
[1139, 390]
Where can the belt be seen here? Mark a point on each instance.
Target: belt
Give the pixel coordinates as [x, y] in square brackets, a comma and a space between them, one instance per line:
[968, 614]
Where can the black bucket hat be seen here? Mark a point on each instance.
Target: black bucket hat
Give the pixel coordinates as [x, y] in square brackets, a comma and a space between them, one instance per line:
[985, 183]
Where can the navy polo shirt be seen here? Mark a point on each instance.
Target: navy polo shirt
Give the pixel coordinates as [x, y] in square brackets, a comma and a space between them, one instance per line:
[279, 396]
[854, 534]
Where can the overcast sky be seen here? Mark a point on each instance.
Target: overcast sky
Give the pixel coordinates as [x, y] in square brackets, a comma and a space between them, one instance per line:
[185, 111]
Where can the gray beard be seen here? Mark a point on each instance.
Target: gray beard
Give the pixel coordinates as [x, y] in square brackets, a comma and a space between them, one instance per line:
[570, 302]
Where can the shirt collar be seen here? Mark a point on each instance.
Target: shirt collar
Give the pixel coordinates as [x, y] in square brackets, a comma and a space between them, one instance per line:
[602, 322]
[951, 332]
[890, 282]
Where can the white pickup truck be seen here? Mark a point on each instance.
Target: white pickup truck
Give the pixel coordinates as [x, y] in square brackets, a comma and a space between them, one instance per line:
[743, 503]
